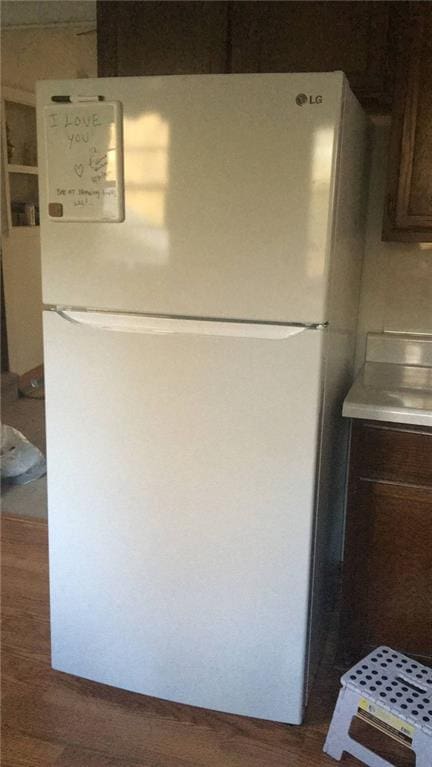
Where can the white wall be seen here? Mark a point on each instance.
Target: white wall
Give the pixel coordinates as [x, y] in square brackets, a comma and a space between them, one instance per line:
[42, 53]
[29, 55]
[23, 302]
[23, 12]
[396, 292]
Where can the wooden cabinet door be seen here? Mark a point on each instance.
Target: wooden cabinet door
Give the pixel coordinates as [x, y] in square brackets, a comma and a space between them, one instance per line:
[387, 569]
[151, 38]
[408, 215]
[155, 38]
[316, 37]
[390, 587]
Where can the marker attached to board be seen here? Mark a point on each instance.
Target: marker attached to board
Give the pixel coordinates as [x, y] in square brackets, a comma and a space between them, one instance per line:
[76, 99]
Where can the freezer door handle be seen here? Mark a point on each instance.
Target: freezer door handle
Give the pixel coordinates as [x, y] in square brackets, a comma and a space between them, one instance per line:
[139, 323]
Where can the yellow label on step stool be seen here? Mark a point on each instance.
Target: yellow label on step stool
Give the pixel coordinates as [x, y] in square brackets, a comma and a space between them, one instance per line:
[381, 715]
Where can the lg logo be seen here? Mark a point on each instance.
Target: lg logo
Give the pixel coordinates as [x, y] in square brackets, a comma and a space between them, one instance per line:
[302, 99]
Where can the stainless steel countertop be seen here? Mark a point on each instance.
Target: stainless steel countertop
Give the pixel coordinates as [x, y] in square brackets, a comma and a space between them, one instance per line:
[384, 391]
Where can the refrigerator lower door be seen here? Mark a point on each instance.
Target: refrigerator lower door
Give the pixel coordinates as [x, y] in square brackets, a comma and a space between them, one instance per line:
[181, 473]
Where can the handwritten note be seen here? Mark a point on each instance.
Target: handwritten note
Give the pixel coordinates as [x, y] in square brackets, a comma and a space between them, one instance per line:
[84, 159]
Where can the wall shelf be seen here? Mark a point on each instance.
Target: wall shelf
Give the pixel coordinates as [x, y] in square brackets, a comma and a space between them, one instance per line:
[25, 230]
[22, 169]
[19, 154]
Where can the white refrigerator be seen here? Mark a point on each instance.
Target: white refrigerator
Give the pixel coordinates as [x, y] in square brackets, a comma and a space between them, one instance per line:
[201, 249]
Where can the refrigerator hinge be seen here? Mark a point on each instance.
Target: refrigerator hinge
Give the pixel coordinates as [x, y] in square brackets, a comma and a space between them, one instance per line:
[316, 325]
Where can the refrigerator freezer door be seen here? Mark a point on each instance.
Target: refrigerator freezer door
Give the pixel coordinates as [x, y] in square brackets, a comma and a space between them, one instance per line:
[228, 198]
[181, 502]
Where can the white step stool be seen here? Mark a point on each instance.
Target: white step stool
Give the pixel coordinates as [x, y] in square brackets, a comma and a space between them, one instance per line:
[394, 694]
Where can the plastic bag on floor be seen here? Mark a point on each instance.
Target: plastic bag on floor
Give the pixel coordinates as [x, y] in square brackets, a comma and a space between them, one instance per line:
[20, 461]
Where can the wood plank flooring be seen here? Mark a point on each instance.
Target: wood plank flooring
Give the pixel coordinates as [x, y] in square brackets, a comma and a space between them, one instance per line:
[51, 719]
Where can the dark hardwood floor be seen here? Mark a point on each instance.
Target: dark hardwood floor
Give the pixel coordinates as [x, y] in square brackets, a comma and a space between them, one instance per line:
[53, 719]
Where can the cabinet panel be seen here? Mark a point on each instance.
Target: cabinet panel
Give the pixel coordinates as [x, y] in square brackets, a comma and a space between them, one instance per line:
[155, 38]
[315, 37]
[149, 38]
[394, 454]
[387, 571]
[394, 583]
[408, 215]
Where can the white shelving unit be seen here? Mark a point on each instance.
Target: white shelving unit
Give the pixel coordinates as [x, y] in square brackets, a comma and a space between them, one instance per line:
[22, 169]
[19, 154]
[21, 261]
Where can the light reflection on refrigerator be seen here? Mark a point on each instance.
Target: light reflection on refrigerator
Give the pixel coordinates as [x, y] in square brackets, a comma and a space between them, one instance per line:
[147, 143]
[319, 190]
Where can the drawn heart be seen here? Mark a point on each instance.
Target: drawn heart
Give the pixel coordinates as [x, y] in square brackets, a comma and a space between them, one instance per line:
[79, 169]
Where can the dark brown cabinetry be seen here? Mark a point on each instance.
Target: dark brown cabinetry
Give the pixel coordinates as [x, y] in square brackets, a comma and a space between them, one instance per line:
[317, 37]
[369, 41]
[142, 38]
[387, 574]
[408, 214]
[161, 38]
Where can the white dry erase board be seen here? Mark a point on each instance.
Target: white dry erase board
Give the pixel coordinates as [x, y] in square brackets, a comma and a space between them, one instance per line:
[84, 161]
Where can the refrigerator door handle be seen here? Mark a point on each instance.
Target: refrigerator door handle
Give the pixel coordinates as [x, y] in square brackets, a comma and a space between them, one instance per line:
[140, 323]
